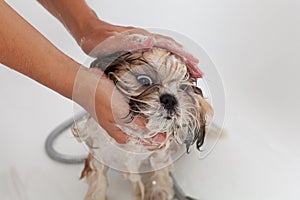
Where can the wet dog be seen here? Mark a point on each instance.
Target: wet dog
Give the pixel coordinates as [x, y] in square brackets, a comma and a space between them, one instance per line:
[159, 89]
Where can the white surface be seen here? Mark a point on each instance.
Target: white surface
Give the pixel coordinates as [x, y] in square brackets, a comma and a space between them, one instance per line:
[254, 44]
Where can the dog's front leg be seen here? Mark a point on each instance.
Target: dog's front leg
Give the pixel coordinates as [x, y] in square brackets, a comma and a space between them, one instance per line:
[160, 183]
[137, 185]
[96, 179]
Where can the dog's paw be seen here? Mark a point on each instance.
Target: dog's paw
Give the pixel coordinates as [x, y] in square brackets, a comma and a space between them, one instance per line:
[159, 192]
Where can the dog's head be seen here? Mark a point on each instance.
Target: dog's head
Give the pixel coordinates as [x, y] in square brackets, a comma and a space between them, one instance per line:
[159, 89]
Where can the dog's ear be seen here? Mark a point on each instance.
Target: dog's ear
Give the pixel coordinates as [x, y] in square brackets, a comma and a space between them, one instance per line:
[206, 112]
[198, 134]
[200, 137]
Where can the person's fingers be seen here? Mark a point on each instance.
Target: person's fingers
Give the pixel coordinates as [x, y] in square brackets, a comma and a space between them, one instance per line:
[194, 71]
[130, 40]
[123, 138]
[134, 39]
[166, 42]
[119, 136]
[178, 49]
[174, 47]
[159, 138]
[138, 132]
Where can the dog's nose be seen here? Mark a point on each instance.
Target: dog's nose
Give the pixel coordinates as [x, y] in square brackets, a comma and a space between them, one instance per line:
[168, 101]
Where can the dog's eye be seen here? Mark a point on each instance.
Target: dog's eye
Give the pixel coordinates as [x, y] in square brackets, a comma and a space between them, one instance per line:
[144, 80]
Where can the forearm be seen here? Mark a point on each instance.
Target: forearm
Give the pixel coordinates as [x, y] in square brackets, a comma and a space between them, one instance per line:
[75, 15]
[25, 50]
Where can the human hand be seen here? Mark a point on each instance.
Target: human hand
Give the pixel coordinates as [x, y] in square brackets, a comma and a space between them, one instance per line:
[99, 97]
[102, 39]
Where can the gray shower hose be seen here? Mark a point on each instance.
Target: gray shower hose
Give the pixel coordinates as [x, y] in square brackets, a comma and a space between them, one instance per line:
[49, 145]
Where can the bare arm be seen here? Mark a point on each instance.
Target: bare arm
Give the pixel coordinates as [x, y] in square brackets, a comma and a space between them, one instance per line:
[75, 15]
[82, 22]
[89, 31]
[25, 50]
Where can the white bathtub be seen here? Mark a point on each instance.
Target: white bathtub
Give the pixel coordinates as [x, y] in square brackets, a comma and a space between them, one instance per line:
[256, 48]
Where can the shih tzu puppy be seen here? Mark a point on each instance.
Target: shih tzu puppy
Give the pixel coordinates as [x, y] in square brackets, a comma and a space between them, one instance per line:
[160, 90]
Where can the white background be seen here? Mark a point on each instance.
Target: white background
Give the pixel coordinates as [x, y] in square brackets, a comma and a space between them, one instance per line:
[255, 45]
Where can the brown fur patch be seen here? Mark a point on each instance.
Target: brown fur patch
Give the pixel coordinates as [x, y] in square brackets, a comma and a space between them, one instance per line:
[87, 167]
